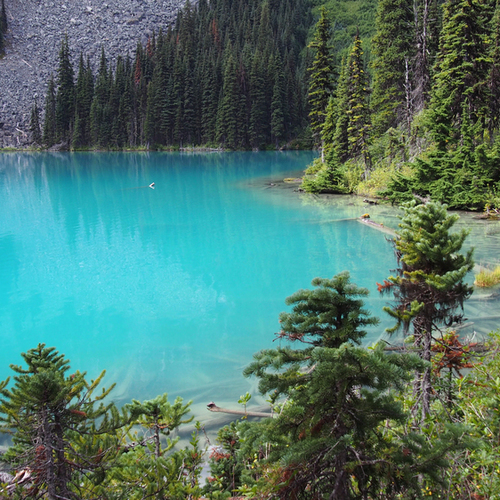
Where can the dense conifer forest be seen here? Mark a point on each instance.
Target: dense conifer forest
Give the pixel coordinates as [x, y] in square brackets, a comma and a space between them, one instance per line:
[400, 98]
[418, 117]
[228, 74]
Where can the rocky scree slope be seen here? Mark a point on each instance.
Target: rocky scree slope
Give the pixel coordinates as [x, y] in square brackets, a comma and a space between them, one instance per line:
[36, 29]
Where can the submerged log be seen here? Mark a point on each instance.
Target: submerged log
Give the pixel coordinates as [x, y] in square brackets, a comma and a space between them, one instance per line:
[213, 407]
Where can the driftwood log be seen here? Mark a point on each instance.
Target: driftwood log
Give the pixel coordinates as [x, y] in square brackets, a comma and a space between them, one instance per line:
[213, 407]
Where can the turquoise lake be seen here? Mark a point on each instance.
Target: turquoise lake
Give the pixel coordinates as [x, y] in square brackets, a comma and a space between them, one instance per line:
[173, 289]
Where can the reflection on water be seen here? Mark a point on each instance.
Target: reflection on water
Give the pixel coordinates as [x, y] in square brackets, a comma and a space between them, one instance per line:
[172, 289]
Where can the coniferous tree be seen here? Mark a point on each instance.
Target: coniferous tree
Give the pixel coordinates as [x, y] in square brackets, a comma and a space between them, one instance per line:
[324, 443]
[358, 114]
[278, 105]
[84, 92]
[227, 132]
[392, 47]
[321, 75]
[49, 125]
[429, 286]
[3, 26]
[210, 100]
[100, 111]
[338, 119]
[427, 16]
[65, 96]
[259, 108]
[494, 74]
[47, 411]
[35, 130]
[462, 69]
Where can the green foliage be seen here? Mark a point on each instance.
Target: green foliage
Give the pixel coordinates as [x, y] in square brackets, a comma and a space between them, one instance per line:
[331, 436]
[488, 277]
[328, 178]
[392, 47]
[147, 468]
[49, 125]
[65, 97]
[46, 411]
[429, 285]
[226, 466]
[461, 70]
[321, 75]
[159, 418]
[476, 474]
[229, 74]
[35, 130]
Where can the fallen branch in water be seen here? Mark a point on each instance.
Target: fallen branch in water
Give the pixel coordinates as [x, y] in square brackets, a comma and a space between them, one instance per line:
[213, 407]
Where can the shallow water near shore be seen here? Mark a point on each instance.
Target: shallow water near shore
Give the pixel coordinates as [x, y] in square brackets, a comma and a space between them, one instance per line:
[173, 289]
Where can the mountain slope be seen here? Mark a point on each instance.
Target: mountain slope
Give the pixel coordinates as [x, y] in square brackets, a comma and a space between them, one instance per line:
[36, 29]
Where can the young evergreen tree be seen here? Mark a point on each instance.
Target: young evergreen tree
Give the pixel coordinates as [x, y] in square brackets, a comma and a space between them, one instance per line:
[326, 441]
[322, 75]
[47, 411]
[429, 286]
[151, 468]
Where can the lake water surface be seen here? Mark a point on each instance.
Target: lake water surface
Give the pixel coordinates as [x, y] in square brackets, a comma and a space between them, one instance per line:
[173, 289]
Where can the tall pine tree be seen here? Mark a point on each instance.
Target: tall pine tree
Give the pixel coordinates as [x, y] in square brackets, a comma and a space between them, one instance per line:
[392, 47]
[65, 97]
[322, 75]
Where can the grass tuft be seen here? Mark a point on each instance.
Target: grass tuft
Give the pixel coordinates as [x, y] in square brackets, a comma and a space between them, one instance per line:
[488, 277]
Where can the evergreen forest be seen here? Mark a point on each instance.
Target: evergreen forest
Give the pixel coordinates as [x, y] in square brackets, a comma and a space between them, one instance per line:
[227, 74]
[400, 98]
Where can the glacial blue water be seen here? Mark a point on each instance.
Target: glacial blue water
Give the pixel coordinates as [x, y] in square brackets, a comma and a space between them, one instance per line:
[173, 289]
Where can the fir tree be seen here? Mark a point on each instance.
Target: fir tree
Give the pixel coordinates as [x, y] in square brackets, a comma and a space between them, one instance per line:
[227, 133]
[49, 125]
[358, 115]
[84, 92]
[494, 74]
[322, 75]
[324, 443]
[462, 69]
[100, 112]
[392, 47]
[429, 286]
[259, 108]
[35, 130]
[151, 468]
[277, 106]
[47, 411]
[65, 97]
